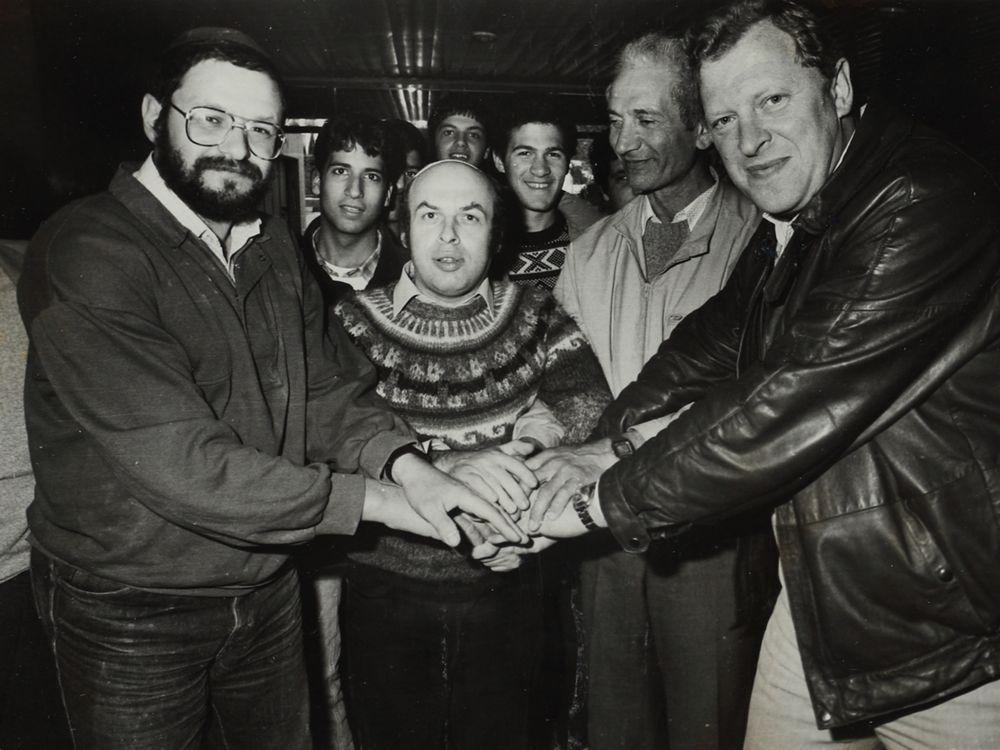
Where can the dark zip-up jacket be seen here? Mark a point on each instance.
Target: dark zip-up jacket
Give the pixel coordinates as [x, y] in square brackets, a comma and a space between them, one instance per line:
[185, 429]
[858, 394]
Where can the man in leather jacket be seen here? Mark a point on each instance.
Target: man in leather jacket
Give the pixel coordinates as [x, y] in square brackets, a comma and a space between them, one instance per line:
[851, 389]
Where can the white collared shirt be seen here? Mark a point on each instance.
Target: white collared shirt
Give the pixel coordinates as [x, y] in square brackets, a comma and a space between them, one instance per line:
[357, 277]
[406, 290]
[240, 235]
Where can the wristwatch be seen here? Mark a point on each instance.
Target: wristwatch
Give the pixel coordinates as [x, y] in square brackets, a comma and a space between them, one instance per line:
[581, 500]
[621, 446]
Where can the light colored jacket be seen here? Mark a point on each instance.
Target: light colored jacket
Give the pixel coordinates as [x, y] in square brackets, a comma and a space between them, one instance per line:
[626, 317]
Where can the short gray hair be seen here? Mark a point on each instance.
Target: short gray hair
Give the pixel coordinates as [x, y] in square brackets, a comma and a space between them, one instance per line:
[660, 48]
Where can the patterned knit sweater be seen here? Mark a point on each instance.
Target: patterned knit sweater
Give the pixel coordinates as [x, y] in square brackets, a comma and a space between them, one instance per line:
[463, 376]
[536, 258]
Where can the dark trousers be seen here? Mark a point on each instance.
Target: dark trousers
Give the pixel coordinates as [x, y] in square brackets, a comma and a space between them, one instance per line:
[672, 653]
[431, 669]
[150, 670]
[31, 710]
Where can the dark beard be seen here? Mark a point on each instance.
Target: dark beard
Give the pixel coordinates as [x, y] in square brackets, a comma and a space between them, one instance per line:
[228, 205]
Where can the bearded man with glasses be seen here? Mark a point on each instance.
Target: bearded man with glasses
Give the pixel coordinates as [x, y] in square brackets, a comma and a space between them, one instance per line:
[191, 419]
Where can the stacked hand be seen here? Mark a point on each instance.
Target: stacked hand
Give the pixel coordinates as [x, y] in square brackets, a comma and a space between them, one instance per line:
[432, 497]
[542, 485]
[497, 474]
[562, 472]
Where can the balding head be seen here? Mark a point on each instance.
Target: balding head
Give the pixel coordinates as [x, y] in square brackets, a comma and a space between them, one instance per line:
[451, 218]
[443, 174]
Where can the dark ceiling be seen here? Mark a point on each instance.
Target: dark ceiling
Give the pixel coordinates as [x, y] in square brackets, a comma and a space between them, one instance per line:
[76, 67]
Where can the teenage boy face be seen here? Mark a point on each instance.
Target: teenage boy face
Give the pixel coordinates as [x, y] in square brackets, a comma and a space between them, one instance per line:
[536, 164]
[353, 190]
[461, 137]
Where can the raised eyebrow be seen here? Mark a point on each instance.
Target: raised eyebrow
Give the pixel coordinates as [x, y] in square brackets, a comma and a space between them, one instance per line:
[425, 204]
[474, 207]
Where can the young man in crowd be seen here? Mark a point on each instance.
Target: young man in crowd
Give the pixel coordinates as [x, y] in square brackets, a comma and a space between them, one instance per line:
[845, 379]
[673, 633]
[190, 418]
[441, 651]
[458, 128]
[532, 149]
[359, 160]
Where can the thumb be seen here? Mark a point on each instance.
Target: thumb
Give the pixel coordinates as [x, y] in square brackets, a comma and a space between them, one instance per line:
[519, 448]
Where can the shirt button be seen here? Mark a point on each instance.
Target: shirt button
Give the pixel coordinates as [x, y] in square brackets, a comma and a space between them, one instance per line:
[825, 716]
[944, 574]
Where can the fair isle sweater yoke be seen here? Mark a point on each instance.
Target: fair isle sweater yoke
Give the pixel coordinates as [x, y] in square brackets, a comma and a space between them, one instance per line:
[463, 376]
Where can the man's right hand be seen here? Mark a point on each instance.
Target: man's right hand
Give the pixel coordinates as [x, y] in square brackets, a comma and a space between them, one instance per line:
[386, 504]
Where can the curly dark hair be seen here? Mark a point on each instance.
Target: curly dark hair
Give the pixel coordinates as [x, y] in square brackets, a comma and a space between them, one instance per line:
[458, 104]
[374, 137]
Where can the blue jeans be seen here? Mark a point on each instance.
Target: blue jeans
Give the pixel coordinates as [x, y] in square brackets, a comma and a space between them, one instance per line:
[140, 669]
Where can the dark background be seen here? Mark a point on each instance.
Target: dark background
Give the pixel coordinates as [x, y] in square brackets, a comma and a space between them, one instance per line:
[72, 71]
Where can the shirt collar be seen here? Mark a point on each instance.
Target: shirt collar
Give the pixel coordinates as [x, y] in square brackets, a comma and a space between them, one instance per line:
[406, 291]
[356, 277]
[783, 230]
[148, 175]
[691, 213]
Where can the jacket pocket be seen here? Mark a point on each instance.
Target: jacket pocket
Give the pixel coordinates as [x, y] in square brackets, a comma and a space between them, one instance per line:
[885, 588]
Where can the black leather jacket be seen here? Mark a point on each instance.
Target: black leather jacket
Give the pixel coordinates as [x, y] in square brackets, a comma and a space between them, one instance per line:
[859, 395]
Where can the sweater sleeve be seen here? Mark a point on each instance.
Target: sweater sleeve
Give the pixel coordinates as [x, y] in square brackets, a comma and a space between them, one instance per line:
[573, 385]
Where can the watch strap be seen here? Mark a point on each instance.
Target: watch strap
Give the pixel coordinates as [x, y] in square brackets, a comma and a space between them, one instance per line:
[581, 504]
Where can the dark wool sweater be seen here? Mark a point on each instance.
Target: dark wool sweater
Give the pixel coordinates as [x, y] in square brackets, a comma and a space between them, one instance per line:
[464, 376]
